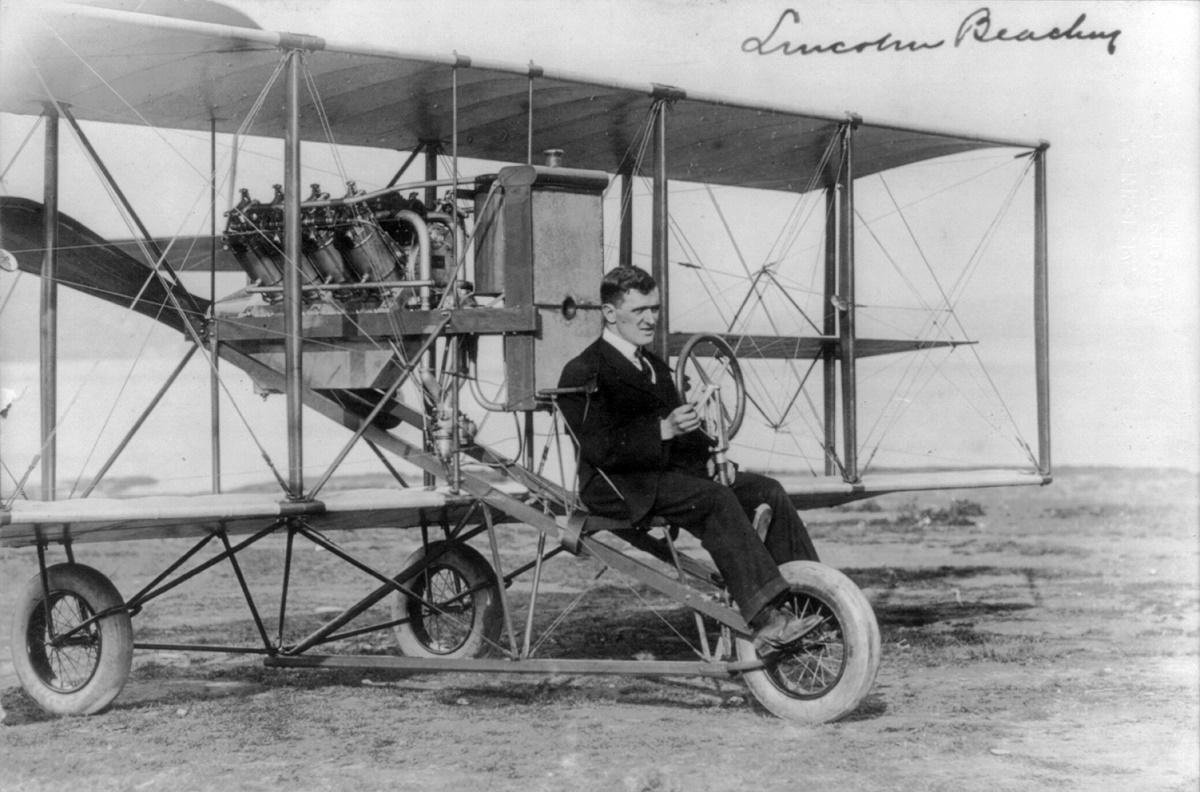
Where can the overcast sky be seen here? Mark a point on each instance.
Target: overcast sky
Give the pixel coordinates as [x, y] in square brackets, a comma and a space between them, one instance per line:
[1118, 103]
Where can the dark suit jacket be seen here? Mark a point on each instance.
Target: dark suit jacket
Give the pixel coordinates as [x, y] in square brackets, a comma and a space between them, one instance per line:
[616, 428]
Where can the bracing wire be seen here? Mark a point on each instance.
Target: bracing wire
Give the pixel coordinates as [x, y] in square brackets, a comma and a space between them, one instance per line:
[897, 405]
[12, 160]
[169, 287]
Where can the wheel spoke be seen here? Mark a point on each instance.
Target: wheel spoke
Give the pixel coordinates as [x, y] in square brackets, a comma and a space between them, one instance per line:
[447, 617]
[817, 663]
[65, 665]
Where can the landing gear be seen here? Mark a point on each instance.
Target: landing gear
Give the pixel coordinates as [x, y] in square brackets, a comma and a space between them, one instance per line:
[458, 612]
[69, 663]
[827, 673]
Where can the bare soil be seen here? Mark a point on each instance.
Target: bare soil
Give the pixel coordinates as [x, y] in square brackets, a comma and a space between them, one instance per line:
[1032, 640]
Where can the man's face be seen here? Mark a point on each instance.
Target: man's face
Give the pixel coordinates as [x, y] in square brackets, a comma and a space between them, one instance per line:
[635, 318]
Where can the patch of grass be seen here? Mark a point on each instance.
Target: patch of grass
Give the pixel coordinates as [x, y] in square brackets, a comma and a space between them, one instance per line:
[866, 506]
[912, 616]
[1094, 511]
[962, 644]
[959, 512]
[1033, 550]
[878, 577]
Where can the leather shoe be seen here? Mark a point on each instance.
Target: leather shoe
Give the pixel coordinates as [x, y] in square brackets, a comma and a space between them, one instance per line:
[781, 629]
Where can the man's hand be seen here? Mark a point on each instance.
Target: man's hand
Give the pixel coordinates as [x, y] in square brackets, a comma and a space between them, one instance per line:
[683, 419]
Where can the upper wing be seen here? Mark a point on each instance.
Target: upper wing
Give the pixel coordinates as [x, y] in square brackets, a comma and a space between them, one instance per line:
[199, 64]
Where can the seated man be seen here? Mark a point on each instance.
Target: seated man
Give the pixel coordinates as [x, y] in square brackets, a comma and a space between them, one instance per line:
[641, 455]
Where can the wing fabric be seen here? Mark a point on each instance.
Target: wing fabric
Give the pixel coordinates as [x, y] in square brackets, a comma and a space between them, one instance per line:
[186, 69]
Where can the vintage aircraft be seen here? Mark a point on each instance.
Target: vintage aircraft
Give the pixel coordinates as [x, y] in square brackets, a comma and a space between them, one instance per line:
[370, 306]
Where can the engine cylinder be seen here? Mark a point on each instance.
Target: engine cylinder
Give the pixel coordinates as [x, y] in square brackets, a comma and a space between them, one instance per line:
[321, 252]
[368, 251]
[256, 259]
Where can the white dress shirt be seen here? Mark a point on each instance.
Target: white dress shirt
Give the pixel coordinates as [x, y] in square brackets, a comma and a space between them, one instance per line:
[631, 352]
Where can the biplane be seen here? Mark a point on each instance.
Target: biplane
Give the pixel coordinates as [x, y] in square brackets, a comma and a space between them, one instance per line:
[407, 305]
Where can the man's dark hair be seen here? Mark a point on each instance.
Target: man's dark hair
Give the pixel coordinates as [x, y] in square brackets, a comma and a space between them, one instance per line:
[622, 280]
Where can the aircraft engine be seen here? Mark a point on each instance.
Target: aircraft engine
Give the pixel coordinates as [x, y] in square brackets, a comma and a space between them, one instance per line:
[374, 242]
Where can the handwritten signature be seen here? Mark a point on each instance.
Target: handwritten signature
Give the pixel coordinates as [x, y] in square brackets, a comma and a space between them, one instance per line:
[976, 26]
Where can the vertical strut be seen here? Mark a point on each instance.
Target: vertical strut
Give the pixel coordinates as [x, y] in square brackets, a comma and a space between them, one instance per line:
[214, 382]
[293, 340]
[1041, 308]
[625, 256]
[241, 579]
[533, 594]
[829, 327]
[503, 589]
[48, 328]
[660, 239]
[846, 307]
[432, 149]
[287, 579]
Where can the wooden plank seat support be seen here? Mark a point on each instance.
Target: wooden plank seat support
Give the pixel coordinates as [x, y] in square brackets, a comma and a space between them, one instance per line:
[580, 524]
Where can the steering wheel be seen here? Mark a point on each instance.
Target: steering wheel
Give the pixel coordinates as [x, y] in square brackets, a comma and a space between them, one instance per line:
[708, 375]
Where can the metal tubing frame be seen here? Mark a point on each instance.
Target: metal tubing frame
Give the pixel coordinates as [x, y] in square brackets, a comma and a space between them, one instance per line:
[517, 509]
[241, 579]
[504, 606]
[145, 595]
[135, 603]
[287, 579]
[140, 597]
[703, 668]
[533, 595]
[327, 635]
[427, 344]
[705, 651]
[412, 155]
[393, 584]
[363, 286]
[47, 613]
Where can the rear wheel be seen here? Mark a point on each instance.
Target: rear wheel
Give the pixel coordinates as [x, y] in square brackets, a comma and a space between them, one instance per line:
[828, 673]
[64, 670]
[456, 612]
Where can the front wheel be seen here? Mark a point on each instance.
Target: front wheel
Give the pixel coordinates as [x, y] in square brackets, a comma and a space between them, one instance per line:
[456, 611]
[65, 667]
[829, 672]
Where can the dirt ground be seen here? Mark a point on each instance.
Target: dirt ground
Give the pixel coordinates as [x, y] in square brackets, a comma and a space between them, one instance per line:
[1032, 639]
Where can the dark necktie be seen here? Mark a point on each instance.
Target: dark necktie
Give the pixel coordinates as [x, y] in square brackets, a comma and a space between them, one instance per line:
[645, 364]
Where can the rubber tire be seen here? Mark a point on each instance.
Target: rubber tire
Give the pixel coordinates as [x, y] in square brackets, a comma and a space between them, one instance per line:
[468, 569]
[735, 371]
[850, 612]
[113, 635]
